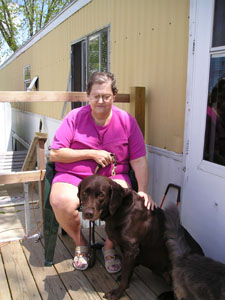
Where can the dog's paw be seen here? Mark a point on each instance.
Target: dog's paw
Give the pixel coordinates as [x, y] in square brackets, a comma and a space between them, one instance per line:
[113, 294]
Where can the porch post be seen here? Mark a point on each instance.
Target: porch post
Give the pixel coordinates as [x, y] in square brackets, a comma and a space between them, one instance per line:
[137, 104]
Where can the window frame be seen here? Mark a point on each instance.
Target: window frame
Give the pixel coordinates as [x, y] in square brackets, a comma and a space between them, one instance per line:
[26, 81]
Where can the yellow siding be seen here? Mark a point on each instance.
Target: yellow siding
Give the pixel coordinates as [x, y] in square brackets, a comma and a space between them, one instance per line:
[149, 43]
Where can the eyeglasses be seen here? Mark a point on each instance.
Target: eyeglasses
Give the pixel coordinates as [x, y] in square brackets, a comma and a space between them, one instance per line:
[105, 98]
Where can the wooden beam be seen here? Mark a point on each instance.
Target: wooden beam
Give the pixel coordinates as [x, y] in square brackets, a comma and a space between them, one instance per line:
[40, 151]
[31, 158]
[137, 102]
[20, 177]
[52, 96]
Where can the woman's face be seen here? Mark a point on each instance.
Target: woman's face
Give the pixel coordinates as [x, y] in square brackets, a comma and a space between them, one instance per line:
[101, 98]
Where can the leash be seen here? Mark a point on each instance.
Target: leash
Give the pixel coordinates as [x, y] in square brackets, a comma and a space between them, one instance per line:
[113, 172]
[91, 238]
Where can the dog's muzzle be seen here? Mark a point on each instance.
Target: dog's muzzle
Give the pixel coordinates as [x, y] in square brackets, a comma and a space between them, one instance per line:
[88, 213]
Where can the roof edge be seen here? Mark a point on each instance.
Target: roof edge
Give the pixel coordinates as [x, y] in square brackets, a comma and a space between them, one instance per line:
[64, 14]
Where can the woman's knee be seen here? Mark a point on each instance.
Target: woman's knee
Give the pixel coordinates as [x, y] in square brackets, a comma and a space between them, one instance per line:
[64, 197]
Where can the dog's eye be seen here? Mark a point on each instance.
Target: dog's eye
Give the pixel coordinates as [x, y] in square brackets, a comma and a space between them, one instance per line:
[101, 195]
[84, 194]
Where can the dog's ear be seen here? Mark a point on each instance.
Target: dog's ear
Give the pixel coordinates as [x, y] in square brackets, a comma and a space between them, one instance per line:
[79, 189]
[117, 195]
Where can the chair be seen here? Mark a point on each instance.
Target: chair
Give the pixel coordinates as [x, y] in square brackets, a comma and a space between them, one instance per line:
[51, 225]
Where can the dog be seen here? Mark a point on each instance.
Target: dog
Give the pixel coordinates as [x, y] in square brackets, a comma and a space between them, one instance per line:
[137, 231]
[195, 277]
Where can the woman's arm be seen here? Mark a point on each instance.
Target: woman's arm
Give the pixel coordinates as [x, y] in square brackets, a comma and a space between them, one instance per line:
[140, 167]
[67, 155]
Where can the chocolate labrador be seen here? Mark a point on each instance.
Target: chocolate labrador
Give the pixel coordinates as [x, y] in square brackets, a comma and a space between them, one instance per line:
[138, 232]
[195, 277]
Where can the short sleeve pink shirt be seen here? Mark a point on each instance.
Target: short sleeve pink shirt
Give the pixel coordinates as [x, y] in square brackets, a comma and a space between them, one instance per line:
[121, 136]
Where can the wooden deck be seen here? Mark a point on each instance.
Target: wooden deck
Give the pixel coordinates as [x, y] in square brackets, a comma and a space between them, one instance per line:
[24, 276]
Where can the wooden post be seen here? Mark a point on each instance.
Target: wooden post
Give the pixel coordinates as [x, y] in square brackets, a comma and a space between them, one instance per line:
[137, 104]
[36, 155]
[40, 148]
[31, 158]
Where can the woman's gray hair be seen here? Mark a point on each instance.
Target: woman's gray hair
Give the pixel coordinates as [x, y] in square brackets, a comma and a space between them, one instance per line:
[100, 78]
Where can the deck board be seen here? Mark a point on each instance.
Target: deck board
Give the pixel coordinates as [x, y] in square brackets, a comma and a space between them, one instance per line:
[24, 276]
[21, 282]
[4, 292]
[47, 279]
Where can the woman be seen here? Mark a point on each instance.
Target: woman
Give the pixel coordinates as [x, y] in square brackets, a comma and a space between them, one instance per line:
[86, 138]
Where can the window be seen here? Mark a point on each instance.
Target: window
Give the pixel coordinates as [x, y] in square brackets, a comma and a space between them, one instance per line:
[26, 77]
[98, 52]
[214, 147]
[88, 55]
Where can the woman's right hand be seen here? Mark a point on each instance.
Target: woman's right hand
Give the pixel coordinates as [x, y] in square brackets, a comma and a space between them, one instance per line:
[67, 155]
[103, 158]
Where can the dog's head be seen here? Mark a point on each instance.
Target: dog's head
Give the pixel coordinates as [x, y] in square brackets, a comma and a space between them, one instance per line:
[99, 197]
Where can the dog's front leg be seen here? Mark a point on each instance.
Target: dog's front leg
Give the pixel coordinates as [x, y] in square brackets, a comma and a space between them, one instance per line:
[128, 264]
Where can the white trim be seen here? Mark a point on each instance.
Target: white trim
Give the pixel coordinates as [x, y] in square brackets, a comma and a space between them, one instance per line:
[212, 168]
[190, 69]
[67, 12]
[165, 153]
[217, 49]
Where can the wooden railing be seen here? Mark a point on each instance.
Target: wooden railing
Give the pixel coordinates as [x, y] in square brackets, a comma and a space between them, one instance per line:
[136, 98]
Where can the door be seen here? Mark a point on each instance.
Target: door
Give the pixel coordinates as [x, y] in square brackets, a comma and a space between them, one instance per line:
[203, 201]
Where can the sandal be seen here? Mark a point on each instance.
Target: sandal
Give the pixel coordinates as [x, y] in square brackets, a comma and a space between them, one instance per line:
[80, 261]
[112, 262]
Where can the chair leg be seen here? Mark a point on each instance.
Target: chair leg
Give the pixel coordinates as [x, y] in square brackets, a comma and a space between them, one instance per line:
[92, 245]
[50, 235]
[91, 241]
[92, 232]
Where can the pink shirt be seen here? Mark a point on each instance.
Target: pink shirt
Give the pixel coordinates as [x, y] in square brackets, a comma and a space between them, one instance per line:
[120, 136]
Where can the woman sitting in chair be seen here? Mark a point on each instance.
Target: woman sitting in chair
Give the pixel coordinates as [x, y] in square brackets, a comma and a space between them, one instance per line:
[87, 137]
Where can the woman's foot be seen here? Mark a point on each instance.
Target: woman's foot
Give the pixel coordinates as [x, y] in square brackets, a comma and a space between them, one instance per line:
[80, 261]
[112, 262]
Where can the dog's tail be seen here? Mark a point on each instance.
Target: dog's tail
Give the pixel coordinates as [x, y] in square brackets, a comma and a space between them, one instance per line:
[174, 233]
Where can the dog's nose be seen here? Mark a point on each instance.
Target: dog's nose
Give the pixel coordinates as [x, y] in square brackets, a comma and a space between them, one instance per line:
[88, 213]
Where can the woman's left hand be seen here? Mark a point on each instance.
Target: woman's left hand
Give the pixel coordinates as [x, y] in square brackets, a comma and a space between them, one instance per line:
[149, 203]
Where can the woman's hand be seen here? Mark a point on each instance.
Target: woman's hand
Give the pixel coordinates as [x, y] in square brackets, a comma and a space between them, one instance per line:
[67, 155]
[149, 203]
[103, 158]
